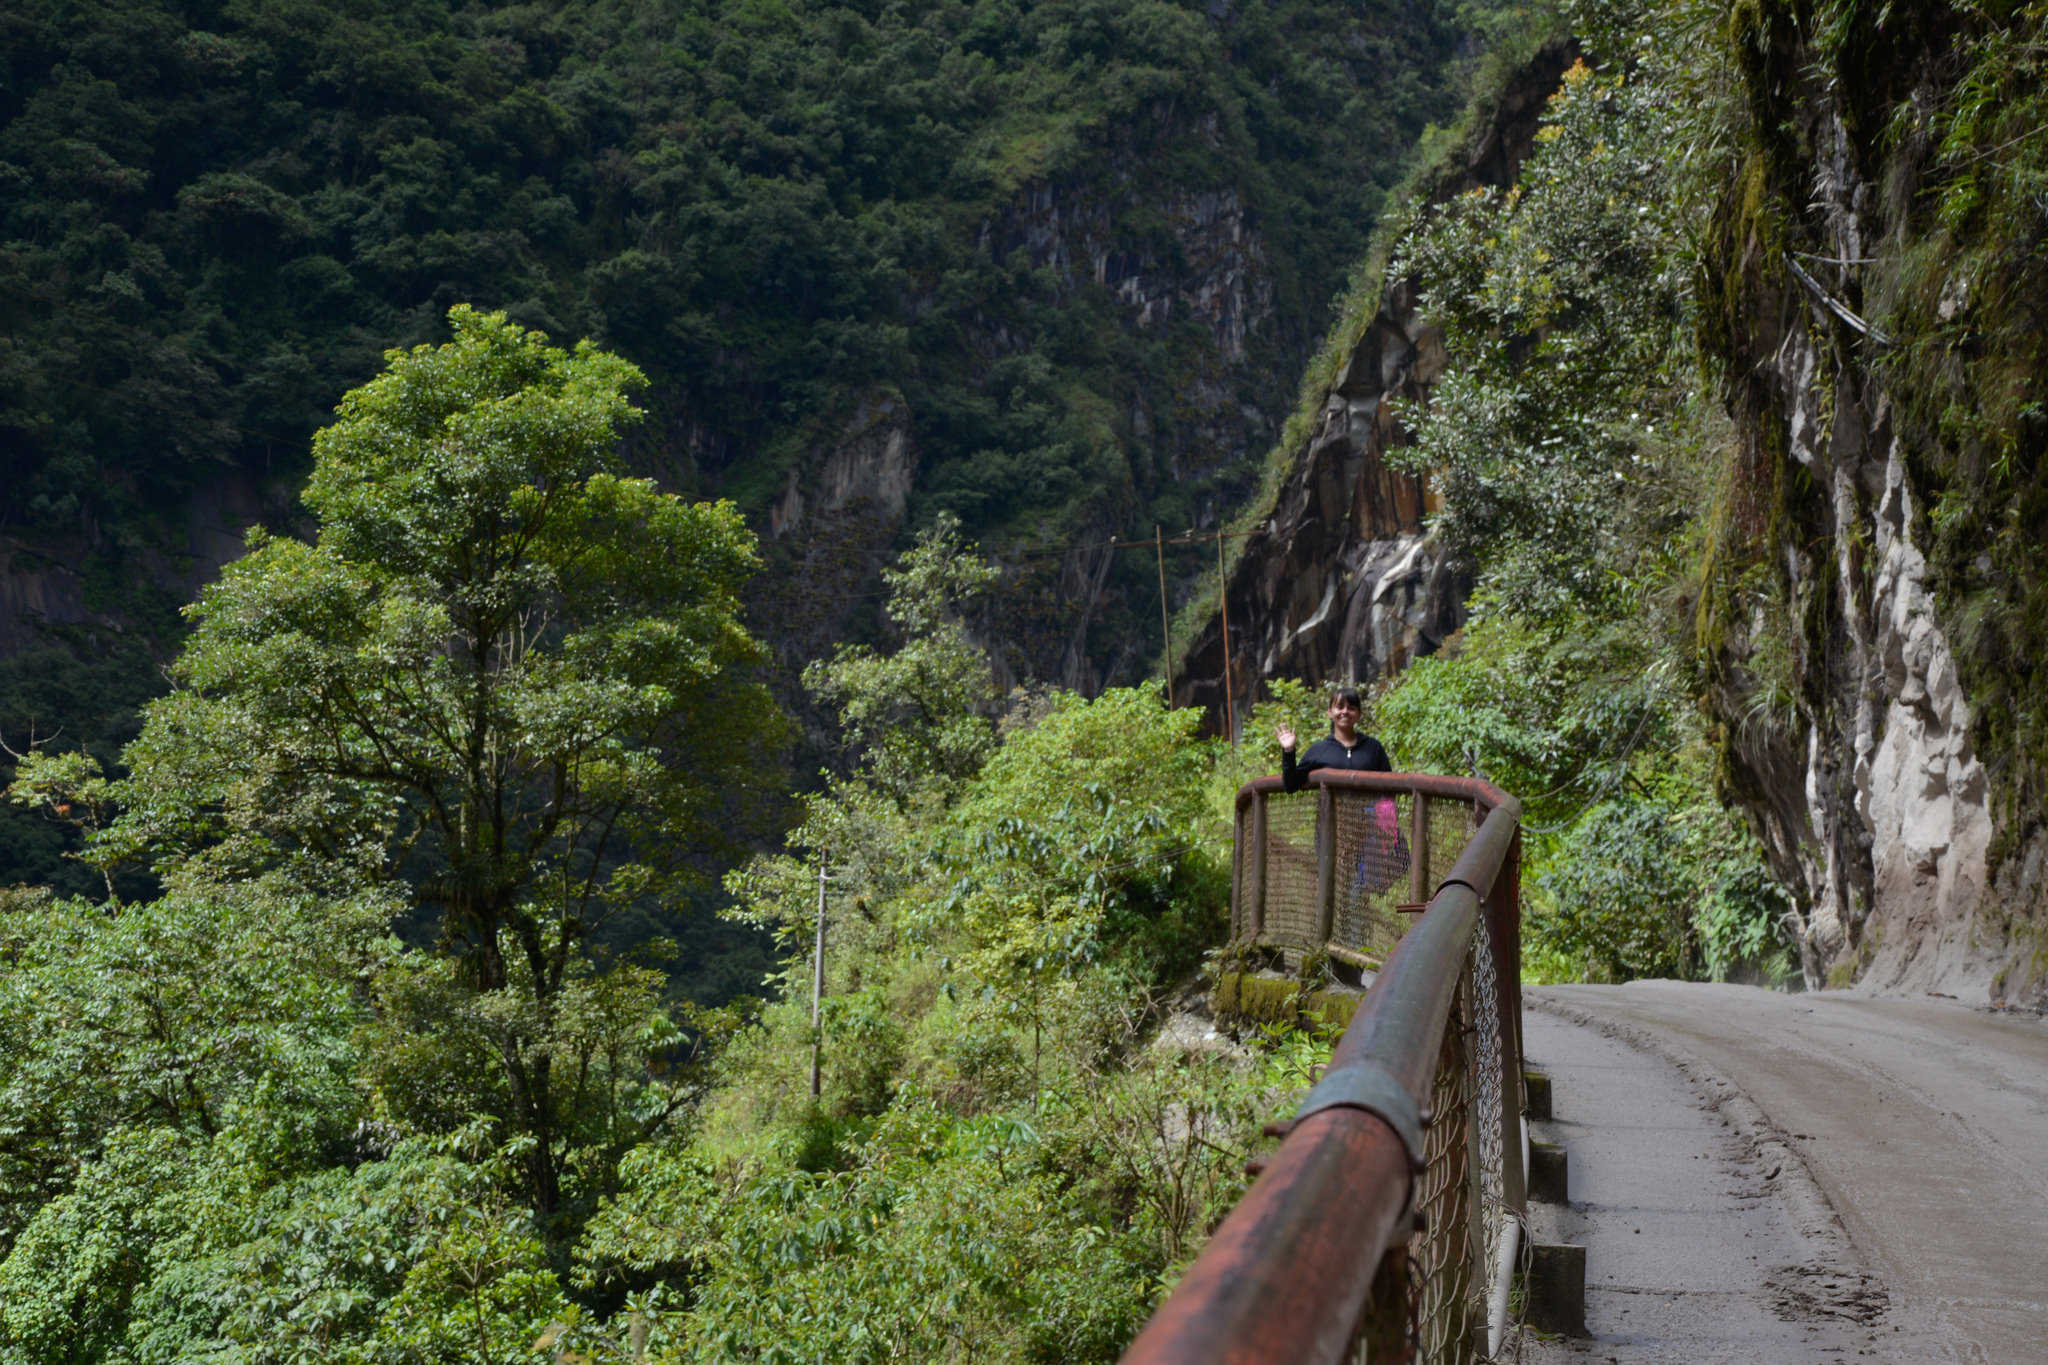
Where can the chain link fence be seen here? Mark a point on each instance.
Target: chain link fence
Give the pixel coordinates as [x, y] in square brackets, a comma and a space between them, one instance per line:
[1343, 868]
[1350, 871]
[1464, 1223]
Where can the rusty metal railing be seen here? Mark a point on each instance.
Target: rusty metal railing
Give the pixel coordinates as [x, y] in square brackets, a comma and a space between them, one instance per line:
[1386, 1227]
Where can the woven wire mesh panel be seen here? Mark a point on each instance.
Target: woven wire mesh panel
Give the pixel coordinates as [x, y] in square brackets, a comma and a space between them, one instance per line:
[1488, 1082]
[1441, 1253]
[1242, 890]
[1450, 829]
[1292, 915]
[1371, 869]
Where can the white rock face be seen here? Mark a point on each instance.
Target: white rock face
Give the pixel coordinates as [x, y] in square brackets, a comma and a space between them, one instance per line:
[870, 461]
[1887, 846]
[1887, 842]
[1920, 786]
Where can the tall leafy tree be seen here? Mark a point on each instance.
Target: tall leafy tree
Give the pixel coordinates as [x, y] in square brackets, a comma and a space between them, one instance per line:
[503, 676]
[920, 717]
[1561, 302]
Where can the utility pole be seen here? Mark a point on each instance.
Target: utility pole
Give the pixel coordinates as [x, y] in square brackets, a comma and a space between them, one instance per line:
[1223, 596]
[817, 977]
[1165, 619]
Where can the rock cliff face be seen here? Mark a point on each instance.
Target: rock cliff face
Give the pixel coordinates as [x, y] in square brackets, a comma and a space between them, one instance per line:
[841, 511]
[73, 583]
[831, 528]
[1863, 734]
[1870, 795]
[1219, 277]
[868, 472]
[1341, 582]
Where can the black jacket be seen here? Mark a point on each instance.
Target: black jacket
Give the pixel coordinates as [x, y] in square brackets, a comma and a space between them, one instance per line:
[1366, 756]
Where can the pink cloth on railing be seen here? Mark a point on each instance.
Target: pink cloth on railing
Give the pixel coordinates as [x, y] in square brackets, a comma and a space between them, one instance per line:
[1383, 852]
[1388, 816]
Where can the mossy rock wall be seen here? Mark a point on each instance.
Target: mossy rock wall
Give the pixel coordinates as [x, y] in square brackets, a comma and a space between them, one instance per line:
[1874, 621]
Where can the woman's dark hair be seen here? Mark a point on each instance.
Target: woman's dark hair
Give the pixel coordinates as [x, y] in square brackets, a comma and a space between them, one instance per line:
[1349, 694]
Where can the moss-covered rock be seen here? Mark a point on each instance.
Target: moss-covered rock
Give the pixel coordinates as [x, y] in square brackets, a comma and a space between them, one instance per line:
[1243, 997]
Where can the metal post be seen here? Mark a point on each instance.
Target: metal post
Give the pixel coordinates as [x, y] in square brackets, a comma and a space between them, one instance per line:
[1419, 889]
[817, 978]
[1384, 1333]
[1326, 866]
[1480, 1273]
[1264, 812]
[1503, 931]
[1240, 899]
[1223, 594]
[1165, 619]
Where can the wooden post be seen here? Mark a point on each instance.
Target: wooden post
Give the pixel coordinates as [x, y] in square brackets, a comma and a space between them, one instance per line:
[1165, 619]
[1223, 595]
[817, 978]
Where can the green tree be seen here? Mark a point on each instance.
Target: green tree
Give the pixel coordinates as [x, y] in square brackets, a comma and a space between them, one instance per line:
[1561, 299]
[213, 1007]
[920, 716]
[172, 1247]
[503, 676]
[918, 724]
[945, 1237]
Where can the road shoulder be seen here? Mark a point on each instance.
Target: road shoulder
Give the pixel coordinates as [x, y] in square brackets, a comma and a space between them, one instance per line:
[1706, 1237]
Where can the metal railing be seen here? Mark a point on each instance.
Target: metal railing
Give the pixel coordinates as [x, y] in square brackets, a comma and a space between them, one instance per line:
[1387, 1225]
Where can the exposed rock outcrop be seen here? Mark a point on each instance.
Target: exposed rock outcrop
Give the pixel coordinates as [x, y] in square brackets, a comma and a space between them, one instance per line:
[1342, 582]
[869, 470]
[1211, 266]
[829, 532]
[74, 581]
[1872, 801]
[1853, 734]
[841, 509]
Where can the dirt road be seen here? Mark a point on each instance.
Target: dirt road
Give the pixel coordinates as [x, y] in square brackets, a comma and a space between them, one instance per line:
[1902, 1146]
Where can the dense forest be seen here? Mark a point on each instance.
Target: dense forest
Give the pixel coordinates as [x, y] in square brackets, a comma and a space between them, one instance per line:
[361, 1079]
[361, 997]
[411, 956]
[1072, 254]
[220, 216]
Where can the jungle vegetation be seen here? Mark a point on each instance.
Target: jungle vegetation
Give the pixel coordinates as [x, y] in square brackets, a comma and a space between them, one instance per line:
[343, 1034]
[361, 1077]
[1580, 448]
[216, 217]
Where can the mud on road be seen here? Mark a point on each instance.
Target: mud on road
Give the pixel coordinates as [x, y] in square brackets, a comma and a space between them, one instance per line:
[1770, 1177]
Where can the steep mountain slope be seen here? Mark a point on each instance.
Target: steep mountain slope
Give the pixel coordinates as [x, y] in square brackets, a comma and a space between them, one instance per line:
[1335, 578]
[1877, 278]
[1051, 267]
[1837, 564]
